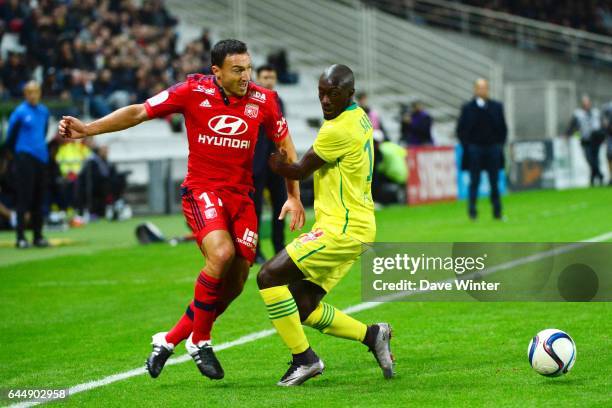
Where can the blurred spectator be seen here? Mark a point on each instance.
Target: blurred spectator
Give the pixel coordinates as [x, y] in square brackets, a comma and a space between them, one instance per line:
[14, 12]
[606, 125]
[482, 131]
[362, 101]
[280, 62]
[416, 126]
[264, 178]
[70, 157]
[390, 172]
[27, 130]
[101, 186]
[15, 74]
[587, 121]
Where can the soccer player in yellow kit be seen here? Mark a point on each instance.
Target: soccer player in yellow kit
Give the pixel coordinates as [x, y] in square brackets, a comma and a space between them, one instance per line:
[293, 283]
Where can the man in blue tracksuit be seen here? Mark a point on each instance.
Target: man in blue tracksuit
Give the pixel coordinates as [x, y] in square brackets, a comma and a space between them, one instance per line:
[27, 131]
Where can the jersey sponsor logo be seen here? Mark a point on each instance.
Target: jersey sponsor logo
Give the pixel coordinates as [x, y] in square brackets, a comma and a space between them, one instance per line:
[224, 142]
[205, 104]
[228, 125]
[159, 98]
[251, 110]
[202, 88]
[258, 96]
[249, 238]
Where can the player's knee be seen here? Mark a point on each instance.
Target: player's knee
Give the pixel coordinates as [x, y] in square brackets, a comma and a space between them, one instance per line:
[265, 277]
[221, 255]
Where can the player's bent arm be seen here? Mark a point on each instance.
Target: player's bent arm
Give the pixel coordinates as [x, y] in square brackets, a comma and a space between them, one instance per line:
[296, 171]
[286, 145]
[120, 119]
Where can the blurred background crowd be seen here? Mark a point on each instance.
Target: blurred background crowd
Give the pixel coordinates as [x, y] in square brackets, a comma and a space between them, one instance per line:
[98, 55]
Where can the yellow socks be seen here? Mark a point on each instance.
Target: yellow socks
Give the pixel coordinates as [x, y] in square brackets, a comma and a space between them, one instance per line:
[329, 320]
[283, 312]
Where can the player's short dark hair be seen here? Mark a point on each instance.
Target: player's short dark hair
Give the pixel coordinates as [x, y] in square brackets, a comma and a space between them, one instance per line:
[266, 67]
[224, 48]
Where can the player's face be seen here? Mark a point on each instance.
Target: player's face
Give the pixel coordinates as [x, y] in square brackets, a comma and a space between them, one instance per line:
[235, 74]
[267, 79]
[334, 99]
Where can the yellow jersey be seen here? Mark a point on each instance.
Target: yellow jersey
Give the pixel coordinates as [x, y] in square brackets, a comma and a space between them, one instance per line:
[342, 186]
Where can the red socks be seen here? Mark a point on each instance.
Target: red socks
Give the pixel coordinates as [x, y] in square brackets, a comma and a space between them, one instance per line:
[207, 291]
[183, 327]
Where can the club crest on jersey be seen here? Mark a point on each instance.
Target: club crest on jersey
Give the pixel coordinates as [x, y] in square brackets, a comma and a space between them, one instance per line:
[251, 110]
[228, 125]
[258, 96]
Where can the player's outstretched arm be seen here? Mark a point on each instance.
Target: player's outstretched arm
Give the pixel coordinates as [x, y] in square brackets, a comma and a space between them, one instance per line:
[120, 119]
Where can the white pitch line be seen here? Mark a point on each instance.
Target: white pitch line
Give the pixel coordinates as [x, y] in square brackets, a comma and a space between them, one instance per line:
[349, 310]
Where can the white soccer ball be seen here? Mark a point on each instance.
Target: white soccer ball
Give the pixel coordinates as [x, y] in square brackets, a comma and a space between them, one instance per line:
[552, 352]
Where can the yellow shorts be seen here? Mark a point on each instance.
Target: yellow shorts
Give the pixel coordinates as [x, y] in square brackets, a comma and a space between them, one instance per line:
[323, 256]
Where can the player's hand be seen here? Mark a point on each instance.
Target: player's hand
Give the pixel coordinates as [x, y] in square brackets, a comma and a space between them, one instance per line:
[277, 160]
[298, 217]
[72, 128]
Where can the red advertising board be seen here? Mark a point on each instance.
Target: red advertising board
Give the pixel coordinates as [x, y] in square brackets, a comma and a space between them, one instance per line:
[432, 174]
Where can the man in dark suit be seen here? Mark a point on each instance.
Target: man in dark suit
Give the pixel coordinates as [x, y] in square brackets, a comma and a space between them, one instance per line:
[264, 178]
[482, 132]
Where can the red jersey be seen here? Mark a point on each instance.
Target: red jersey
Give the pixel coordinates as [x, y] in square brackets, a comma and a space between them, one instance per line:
[222, 130]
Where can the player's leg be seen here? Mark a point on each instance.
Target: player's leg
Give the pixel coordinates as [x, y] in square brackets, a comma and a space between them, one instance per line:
[207, 219]
[330, 320]
[272, 280]
[231, 287]
[233, 284]
[200, 314]
[218, 249]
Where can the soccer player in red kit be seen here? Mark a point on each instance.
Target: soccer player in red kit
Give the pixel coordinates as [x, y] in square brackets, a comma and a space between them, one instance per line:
[223, 113]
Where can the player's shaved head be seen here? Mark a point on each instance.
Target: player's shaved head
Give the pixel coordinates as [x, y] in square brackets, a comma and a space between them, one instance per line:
[339, 75]
[336, 89]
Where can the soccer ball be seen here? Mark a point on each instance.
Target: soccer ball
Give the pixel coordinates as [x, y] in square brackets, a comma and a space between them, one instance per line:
[552, 352]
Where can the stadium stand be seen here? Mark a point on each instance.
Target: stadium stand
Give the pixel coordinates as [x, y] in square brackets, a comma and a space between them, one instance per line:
[97, 55]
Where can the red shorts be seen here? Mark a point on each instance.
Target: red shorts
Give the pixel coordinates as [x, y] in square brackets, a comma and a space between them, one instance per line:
[207, 211]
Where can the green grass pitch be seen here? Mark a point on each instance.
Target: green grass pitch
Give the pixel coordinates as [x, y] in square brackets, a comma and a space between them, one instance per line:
[80, 313]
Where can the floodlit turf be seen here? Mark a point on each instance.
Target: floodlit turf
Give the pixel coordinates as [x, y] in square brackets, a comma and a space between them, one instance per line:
[80, 313]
